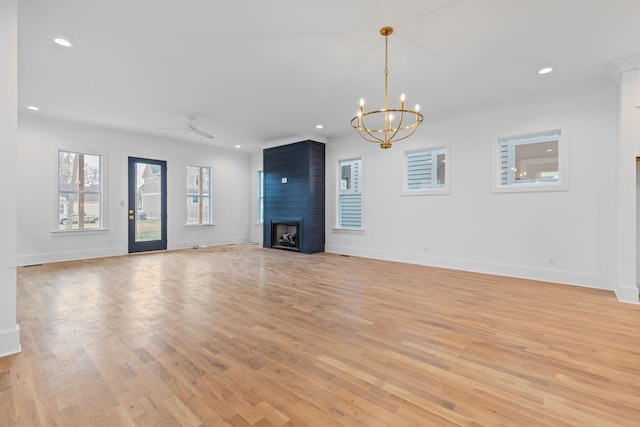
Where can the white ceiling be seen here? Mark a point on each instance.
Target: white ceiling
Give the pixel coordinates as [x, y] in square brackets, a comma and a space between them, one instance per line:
[255, 71]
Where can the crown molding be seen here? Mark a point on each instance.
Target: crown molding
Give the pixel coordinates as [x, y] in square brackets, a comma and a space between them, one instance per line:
[621, 66]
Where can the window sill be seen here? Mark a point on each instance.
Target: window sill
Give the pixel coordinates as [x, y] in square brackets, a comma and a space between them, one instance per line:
[198, 225]
[531, 188]
[349, 230]
[426, 192]
[61, 233]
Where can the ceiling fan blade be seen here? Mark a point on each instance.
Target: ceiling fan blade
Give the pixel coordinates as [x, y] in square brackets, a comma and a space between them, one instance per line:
[190, 128]
[201, 133]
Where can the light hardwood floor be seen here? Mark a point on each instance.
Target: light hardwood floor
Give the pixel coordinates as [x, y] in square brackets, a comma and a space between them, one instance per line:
[245, 336]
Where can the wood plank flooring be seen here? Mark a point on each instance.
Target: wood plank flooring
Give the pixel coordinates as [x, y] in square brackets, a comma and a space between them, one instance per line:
[245, 336]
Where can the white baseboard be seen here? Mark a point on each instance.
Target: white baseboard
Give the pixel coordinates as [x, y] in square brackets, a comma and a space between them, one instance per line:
[10, 342]
[208, 242]
[629, 295]
[33, 259]
[523, 272]
[24, 260]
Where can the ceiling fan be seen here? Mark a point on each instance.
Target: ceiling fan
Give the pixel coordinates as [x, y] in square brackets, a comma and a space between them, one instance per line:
[190, 127]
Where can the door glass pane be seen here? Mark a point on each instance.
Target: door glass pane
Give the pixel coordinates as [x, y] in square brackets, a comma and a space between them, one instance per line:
[148, 206]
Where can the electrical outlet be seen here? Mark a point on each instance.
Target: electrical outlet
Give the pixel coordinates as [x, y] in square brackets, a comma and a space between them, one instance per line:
[552, 260]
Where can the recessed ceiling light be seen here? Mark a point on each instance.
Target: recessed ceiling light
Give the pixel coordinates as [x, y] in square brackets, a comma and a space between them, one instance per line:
[63, 42]
[33, 107]
[545, 70]
[319, 126]
[237, 146]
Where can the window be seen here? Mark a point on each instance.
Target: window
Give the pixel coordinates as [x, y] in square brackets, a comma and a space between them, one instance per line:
[260, 216]
[79, 191]
[529, 159]
[198, 195]
[350, 194]
[426, 169]
[532, 162]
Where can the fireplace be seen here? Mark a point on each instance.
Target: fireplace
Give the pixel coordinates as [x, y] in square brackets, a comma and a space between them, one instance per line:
[294, 197]
[286, 235]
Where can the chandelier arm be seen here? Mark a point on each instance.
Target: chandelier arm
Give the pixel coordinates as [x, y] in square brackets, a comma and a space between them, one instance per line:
[360, 127]
[371, 135]
[375, 140]
[413, 127]
[366, 132]
[398, 128]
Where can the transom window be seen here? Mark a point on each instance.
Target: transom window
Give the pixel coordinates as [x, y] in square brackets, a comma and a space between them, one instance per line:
[198, 195]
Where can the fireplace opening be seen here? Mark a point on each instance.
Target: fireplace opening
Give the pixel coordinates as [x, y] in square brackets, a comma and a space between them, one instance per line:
[285, 235]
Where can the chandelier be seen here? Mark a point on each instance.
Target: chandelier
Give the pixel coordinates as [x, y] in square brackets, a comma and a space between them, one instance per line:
[380, 126]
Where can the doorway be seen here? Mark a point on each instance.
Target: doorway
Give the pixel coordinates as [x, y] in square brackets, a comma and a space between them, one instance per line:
[147, 205]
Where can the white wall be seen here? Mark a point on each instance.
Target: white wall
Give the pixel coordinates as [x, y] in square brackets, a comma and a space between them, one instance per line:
[9, 330]
[39, 141]
[474, 229]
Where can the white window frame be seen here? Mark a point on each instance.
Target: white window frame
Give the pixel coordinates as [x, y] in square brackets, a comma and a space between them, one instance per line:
[260, 198]
[436, 189]
[354, 191]
[194, 196]
[531, 137]
[101, 190]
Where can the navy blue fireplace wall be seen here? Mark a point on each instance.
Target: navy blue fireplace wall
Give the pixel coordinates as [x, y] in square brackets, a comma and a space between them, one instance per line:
[294, 193]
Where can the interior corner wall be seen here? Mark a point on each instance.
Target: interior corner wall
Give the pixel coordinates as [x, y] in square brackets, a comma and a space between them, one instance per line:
[562, 236]
[9, 329]
[628, 150]
[39, 141]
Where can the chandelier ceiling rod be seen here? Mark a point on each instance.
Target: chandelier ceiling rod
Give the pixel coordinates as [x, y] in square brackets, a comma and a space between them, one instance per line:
[387, 134]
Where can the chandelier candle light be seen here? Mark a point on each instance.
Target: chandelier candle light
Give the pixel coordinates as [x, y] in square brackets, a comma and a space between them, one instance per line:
[408, 120]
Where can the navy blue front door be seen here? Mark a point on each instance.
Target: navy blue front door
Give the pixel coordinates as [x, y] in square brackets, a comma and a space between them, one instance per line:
[147, 213]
